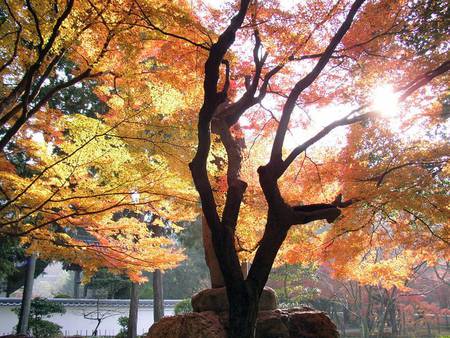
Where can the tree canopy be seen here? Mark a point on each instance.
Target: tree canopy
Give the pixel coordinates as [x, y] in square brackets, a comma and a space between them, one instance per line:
[326, 62]
[85, 134]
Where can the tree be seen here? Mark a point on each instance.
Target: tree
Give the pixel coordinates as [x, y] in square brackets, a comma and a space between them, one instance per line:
[221, 111]
[191, 276]
[291, 283]
[41, 35]
[133, 313]
[57, 158]
[322, 56]
[99, 315]
[25, 308]
[104, 284]
[54, 69]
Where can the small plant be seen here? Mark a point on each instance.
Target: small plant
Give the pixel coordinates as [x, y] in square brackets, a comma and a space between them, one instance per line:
[123, 323]
[43, 308]
[183, 307]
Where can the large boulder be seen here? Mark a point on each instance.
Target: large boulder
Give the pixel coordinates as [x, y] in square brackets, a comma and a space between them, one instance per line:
[195, 325]
[311, 324]
[216, 300]
[293, 323]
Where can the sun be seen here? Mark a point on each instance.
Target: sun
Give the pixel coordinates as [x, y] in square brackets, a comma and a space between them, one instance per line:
[385, 100]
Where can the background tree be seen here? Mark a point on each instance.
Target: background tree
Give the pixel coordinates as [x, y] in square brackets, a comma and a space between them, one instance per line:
[49, 150]
[191, 276]
[294, 284]
[99, 315]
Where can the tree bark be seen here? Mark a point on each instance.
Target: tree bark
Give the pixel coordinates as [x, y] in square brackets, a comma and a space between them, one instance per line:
[24, 315]
[243, 311]
[393, 319]
[158, 297]
[244, 297]
[210, 257]
[76, 283]
[382, 318]
[133, 315]
[17, 279]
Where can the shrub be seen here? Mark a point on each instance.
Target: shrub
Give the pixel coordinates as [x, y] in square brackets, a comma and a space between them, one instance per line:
[43, 308]
[123, 323]
[183, 307]
[44, 329]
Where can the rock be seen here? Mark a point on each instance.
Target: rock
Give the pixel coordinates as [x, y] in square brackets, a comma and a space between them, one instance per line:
[216, 300]
[272, 324]
[293, 323]
[308, 323]
[195, 325]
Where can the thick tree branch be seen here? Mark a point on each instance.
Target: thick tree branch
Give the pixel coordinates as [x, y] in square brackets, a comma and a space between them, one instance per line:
[223, 94]
[423, 80]
[222, 236]
[303, 214]
[37, 25]
[236, 186]
[36, 88]
[276, 154]
[347, 120]
[210, 104]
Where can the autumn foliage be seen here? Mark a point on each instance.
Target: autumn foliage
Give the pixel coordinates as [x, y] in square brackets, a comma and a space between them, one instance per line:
[293, 158]
[69, 168]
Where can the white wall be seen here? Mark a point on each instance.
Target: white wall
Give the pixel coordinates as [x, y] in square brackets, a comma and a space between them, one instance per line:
[73, 322]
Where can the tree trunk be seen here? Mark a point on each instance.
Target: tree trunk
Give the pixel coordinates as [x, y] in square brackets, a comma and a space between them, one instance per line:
[369, 320]
[243, 313]
[402, 317]
[158, 297]
[76, 283]
[211, 258]
[364, 328]
[17, 279]
[344, 317]
[382, 319]
[22, 326]
[133, 315]
[393, 319]
[95, 332]
[244, 296]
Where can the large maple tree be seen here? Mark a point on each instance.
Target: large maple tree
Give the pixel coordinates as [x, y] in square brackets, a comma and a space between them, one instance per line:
[330, 57]
[86, 135]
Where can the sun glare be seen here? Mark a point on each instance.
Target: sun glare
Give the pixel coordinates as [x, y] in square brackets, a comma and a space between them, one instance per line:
[385, 101]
